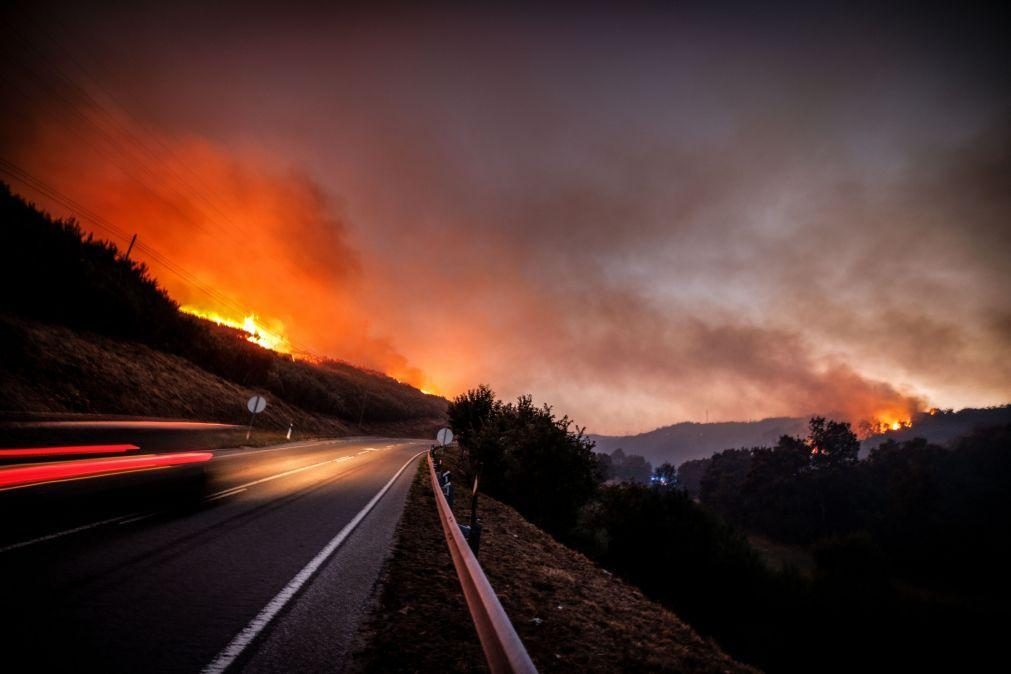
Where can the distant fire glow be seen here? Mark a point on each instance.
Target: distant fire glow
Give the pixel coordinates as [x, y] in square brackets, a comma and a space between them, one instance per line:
[894, 423]
[256, 333]
[884, 423]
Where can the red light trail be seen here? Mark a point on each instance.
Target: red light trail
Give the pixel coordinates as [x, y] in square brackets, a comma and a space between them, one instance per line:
[22, 476]
[66, 451]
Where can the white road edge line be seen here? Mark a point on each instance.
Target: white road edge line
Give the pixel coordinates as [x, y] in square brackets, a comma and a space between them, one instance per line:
[244, 638]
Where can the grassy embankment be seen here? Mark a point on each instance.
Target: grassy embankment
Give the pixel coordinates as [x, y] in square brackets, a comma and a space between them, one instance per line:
[572, 615]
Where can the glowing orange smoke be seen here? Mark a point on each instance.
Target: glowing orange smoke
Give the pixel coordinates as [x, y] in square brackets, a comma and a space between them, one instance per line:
[244, 226]
[240, 224]
[255, 331]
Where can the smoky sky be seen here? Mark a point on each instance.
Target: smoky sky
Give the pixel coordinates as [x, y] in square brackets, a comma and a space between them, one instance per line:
[640, 215]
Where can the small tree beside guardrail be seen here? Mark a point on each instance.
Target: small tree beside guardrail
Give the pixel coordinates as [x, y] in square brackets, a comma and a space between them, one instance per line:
[542, 465]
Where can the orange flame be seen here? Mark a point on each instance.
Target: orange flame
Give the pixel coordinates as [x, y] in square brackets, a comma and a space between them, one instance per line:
[884, 422]
[256, 333]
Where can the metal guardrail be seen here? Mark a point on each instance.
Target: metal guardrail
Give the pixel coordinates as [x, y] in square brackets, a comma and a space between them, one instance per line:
[502, 646]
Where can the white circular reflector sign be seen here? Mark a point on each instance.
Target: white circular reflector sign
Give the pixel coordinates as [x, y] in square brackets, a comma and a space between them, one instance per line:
[444, 436]
[256, 404]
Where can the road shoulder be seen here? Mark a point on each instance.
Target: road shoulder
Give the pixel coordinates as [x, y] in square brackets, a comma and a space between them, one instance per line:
[316, 631]
[572, 615]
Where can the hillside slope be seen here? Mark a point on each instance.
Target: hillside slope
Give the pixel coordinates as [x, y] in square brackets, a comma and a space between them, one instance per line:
[55, 370]
[87, 330]
[52, 370]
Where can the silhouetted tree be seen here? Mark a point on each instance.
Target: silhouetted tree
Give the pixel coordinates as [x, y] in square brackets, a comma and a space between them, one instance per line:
[636, 469]
[628, 467]
[690, 474]
[534, 461]
[605, 466]
[772, 497]
[721, 485]
[832, 443]
[470, 412]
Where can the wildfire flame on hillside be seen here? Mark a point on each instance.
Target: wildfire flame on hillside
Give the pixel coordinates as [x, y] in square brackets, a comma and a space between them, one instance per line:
[255, 332]
[884, 422]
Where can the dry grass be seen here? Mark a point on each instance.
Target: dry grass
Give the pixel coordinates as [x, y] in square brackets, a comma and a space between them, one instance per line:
[56, 370]
[420, 622]
[51, 370]
[572, 615]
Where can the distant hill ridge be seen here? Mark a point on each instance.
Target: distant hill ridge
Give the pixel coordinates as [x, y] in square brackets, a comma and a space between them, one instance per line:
[691, 440]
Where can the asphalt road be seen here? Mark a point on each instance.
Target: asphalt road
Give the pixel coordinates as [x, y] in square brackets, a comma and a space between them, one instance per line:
[245, 563]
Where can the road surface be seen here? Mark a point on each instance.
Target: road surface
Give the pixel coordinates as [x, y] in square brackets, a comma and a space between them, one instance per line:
[245, 563]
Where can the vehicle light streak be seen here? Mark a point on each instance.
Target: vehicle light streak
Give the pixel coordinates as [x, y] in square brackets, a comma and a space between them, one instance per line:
[22, 452]
[22, 476]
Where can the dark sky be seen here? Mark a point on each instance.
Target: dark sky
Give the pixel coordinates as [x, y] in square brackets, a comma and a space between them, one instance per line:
[637, 215]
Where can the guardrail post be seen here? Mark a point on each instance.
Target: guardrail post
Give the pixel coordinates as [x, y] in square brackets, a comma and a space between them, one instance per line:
[474, 533]
[474, 537]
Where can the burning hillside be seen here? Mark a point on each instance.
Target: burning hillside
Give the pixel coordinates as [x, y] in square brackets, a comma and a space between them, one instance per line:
[273, 339]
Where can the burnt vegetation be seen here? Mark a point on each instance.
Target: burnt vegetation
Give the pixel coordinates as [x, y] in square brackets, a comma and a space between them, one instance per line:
[51, 272]
[909, 546]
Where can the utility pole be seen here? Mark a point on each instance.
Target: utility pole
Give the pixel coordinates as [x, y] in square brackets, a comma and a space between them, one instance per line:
[130, 247]
[249, 430]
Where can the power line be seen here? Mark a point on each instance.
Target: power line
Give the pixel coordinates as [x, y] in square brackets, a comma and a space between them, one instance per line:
[107, 126]
[25, 178]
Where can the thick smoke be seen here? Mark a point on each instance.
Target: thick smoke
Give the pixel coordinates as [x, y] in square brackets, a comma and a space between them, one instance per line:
[640, 220]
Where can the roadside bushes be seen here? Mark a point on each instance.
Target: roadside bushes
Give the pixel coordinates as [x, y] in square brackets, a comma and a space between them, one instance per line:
[526, 457]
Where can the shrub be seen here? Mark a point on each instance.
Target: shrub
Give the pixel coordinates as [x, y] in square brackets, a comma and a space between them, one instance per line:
[526, 456]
